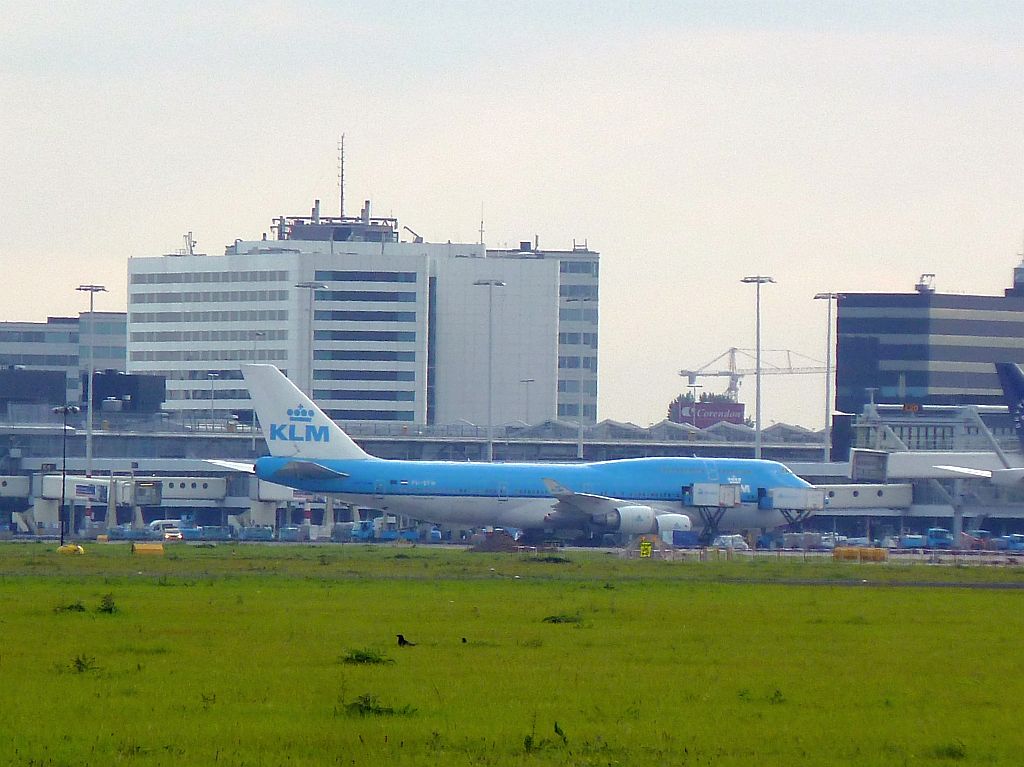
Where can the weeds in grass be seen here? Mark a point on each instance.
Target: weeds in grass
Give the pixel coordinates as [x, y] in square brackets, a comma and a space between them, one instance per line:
[533, 744]
[366, 656]
[107, 604]
[551, 559]
[955, 750]
[777, 698]
[82, 664]
[208, 700]
[70, 607]
[563, 618]
[368, 705]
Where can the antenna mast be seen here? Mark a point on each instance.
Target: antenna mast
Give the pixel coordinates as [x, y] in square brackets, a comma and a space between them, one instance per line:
[481, 223]
[341, 177]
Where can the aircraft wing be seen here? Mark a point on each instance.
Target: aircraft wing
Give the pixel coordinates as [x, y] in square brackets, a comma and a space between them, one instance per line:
[1002, 477]
[244, 468]
[307, 470]
[966, 472]
[581, 504]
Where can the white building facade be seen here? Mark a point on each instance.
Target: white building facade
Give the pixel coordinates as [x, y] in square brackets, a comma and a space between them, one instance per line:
[380, 330]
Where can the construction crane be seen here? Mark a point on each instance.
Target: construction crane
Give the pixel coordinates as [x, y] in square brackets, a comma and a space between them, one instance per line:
[735, 373]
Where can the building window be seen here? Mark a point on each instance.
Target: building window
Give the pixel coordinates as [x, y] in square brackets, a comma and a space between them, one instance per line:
[400, 296]
[354, 276]
[370, 415]
[326, 316]
[364, 354]
[364, 375]
[361, 394]
[365, 335]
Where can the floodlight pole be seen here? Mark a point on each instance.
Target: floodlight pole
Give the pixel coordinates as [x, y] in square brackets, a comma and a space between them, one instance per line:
[255, 337]
[526, 382]
[92, 290]
[829, 297]
[61, 516]
[312, 287]
[757, 280]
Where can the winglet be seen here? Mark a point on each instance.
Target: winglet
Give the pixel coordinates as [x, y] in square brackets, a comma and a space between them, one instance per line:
[1012, 380]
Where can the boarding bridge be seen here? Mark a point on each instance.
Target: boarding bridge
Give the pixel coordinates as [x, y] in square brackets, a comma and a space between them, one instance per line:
[712, 501]
[795, 504]
[856, 500]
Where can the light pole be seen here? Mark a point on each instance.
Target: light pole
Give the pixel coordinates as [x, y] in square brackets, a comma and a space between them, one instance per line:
[693, 397]
[213, 377]
[255, 337]
[526, 382]
[491, 285]
[92, 290]
[828, 373]
[757, 280]
[61, 516]
[312, 287]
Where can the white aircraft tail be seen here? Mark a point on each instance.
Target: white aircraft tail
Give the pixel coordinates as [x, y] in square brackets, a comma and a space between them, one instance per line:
[292, 424]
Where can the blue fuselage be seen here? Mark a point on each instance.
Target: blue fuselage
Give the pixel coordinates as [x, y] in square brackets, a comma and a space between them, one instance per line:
[516, 494]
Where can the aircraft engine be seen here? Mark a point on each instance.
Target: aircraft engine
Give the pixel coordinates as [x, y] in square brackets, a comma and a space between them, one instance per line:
[632, 520]
[669, 522]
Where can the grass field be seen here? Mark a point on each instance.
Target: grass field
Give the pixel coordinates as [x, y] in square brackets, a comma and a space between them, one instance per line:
[238, 655]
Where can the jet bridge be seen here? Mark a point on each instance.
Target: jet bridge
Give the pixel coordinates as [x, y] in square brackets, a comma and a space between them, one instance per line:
[711, 500]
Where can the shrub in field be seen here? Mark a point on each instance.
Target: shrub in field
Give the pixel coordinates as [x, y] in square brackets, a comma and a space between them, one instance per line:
[80, 664]
[70, 607]
[563, 618]
[954, 750]
[365, 656]
[368, 705]
[107, 604]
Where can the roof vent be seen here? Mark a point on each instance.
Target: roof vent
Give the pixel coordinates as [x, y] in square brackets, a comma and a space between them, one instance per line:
[926, 284]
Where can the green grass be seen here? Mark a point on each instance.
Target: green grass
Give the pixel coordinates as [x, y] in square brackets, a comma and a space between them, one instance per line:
[237, 655]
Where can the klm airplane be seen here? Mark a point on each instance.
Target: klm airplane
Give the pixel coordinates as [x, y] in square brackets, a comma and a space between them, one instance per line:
[308, 451]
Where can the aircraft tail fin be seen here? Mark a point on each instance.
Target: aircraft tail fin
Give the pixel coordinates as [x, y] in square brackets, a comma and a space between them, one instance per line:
[1012, 380]
[292, 424]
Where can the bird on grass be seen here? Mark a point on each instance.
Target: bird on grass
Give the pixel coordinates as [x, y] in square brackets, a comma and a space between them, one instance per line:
[403, 642]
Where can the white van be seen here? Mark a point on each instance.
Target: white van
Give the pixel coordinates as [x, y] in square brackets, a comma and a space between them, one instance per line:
[168, 529]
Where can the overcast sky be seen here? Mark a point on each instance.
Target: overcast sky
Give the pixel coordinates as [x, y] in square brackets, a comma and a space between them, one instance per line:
[845, 146]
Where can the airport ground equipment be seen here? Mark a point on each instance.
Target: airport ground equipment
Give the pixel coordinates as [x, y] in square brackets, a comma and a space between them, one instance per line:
[383, 528]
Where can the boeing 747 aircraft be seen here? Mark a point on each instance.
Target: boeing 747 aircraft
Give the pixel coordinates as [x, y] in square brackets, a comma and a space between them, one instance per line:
[308, 451]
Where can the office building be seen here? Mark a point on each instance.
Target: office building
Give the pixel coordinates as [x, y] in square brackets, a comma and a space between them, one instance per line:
[65, 344]
[925, 347]
[380, 330]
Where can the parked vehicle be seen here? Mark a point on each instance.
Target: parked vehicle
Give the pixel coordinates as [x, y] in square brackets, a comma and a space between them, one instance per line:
[939, 538]
[734, 542]
[383, 528]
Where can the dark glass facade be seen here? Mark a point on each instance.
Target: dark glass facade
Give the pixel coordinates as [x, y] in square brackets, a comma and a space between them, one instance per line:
[924, 348]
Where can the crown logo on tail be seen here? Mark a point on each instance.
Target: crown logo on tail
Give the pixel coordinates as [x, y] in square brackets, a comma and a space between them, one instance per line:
[300, 414]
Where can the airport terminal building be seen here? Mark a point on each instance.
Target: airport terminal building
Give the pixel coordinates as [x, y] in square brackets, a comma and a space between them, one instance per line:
[926, 348]
[379, 330]
[65, 344]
